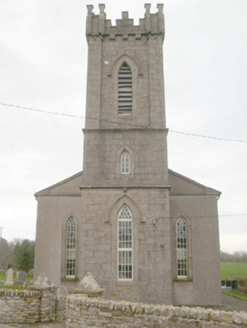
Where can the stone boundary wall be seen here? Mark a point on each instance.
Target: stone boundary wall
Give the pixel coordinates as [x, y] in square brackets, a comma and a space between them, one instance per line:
[83, 311]
[30, 306]
[19, 306]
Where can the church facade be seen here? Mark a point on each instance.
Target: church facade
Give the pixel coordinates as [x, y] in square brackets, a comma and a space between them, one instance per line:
[144, 232]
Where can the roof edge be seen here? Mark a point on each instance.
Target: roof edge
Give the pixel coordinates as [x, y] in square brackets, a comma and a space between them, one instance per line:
[47, 190]
[208, 190]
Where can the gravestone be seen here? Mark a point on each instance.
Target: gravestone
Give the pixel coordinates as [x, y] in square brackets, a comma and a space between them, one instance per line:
[5, 265]
[9, 279]
[22, 277]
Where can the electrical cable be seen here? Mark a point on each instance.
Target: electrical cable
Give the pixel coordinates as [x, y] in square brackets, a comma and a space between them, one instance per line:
[121, 123]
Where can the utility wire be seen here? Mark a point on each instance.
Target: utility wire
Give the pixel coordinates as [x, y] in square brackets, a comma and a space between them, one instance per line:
[234, 214]
[109, 121]
[120, 123]
[208, 137]
[40, 110]
[68, 115]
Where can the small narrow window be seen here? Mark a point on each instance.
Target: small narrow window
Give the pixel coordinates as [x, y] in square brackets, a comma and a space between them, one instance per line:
[125, 89]
[70, 247]
[182, 265]
[125, 244]
[125, 162]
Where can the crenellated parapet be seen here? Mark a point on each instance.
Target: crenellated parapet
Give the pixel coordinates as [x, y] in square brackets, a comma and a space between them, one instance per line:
[98, 25]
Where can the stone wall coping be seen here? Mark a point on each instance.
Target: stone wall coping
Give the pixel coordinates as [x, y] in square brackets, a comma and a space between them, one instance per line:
[88, 292]
[169, 311]
[19, 293]
[41, 288]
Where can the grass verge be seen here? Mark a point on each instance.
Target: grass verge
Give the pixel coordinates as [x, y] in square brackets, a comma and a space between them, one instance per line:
[15, 287]
[235, 293]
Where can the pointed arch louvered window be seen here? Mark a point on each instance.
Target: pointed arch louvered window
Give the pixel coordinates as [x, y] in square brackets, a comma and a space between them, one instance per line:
[125, 89]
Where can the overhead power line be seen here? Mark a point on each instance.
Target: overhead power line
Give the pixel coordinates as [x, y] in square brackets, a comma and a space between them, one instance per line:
[234, 214]
[63, 114]
[40, 110]
[207, 137]
[115, 122]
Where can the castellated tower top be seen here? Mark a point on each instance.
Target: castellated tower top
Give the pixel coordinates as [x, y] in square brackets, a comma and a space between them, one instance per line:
[150, 24]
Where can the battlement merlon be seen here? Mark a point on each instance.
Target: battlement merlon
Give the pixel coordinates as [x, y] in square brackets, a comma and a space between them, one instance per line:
[98, 25]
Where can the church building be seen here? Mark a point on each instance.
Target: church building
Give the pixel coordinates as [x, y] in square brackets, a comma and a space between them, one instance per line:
[145, 232]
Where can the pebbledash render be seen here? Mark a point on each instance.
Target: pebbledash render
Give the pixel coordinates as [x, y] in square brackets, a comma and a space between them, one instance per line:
[144, 232]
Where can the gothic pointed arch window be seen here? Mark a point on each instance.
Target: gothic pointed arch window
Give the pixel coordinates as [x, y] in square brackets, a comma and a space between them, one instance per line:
[125, 162]
[70, 247]
[125, 244]
[124, 89]
[182, 245]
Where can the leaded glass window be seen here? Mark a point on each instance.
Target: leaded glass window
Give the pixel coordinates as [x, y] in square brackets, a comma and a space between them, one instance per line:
[70, 247]
[182, 266]
[125, 244]
[125, 162]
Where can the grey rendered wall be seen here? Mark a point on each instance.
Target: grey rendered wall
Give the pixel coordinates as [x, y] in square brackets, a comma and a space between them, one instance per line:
[203, 287]
[53, 212]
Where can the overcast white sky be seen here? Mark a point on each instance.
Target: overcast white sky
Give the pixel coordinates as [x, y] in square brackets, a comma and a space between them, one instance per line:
[43, 64]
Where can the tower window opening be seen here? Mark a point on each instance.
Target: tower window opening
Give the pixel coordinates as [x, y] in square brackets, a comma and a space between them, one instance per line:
[125, 162]
[125, 89]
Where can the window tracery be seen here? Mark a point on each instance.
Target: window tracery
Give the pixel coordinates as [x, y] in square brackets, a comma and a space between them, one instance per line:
[125, 244]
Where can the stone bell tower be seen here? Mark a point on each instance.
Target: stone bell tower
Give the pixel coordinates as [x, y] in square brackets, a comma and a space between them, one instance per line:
[125, 227]
[144, 232]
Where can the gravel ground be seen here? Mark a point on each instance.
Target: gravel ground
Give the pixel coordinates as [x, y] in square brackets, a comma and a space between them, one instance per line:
[231, 303]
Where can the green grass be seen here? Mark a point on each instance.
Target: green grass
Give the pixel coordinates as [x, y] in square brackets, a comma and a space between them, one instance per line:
[233, 271]
[19, 287]
[3, 277]
[15, 287]
[235, 293]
